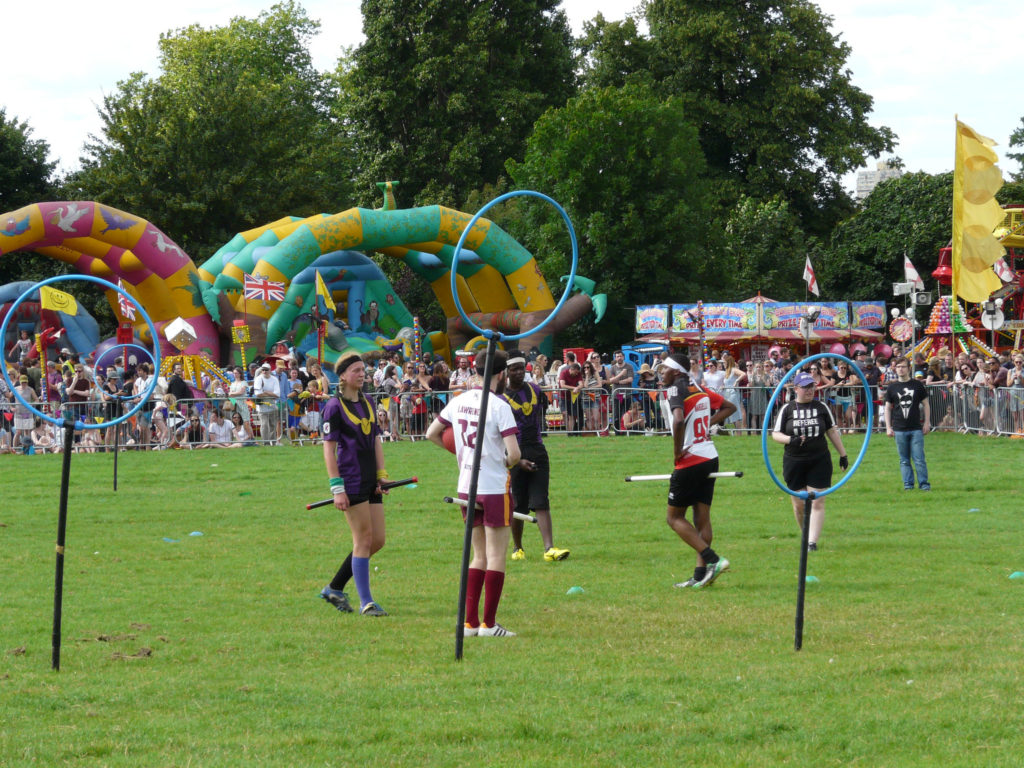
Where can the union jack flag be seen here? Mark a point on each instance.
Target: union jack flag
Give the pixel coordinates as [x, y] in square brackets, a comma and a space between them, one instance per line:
[262, 289]
[126, 307]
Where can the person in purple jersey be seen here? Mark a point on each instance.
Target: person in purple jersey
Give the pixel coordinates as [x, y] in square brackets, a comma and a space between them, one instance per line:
[530, 478]
[354, 457]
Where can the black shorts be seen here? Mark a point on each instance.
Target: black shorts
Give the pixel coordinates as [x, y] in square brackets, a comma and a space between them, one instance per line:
[372, 496]
[692, 485]
[530, 489]
[810, 472]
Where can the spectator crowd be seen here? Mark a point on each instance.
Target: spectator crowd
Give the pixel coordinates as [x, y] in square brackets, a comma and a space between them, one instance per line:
[278, 400]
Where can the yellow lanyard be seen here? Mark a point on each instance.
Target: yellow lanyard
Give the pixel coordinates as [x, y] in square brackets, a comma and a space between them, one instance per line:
[366, 423]
[526, 408]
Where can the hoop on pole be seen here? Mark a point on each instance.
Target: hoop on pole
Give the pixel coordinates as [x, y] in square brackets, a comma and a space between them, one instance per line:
[809, 497]
[100, 360]
[493, 337]
[108, 286]
[458, 252]
[768, 416]
[70, 427]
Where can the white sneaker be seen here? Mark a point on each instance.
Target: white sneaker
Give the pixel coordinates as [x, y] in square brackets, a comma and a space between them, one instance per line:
[470, 631]
[496, 631]
[713, 572]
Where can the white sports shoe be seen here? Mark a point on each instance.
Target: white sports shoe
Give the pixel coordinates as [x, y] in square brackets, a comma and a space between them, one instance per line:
[713, 572]
[496, 631]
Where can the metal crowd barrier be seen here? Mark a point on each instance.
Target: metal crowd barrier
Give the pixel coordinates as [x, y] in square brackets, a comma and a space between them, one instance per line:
[595, 411]
[986, 411]
[942, 407]
[590, 411]
[1010, 411]
[161, 427]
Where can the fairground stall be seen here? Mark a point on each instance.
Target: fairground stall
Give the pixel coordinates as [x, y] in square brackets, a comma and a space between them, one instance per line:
[749, 329]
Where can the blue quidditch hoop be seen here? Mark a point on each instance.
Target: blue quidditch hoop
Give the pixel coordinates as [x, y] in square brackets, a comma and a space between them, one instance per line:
[115, 347]
[107, 286]
[458, 251]
[133, 346]
[767, 423]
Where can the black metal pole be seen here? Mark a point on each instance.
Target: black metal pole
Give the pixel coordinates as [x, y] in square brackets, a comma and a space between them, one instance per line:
[492, 345]
[62, 522]
[802, 585]
[117, 441]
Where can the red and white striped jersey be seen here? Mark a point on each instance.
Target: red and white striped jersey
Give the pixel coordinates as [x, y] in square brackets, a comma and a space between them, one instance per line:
[697, 406]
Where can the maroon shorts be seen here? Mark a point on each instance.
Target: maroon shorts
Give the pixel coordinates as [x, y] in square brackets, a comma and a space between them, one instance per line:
[496, 509]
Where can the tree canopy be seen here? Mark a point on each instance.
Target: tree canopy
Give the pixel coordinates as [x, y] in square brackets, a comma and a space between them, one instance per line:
[1017, 140]
[627, 167]
[441, 93]
[26, 173]
[26, 176]
[234, 132]
[766, 249]
[700, 158]
[765, 83]
[908, 215]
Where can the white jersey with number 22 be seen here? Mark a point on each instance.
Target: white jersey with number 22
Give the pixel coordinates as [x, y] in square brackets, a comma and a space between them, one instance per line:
[463, 414]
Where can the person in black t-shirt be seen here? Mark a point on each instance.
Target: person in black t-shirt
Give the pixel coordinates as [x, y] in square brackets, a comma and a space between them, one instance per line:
[907, 419]
[176, 383]
[803, 426]
[530, 478]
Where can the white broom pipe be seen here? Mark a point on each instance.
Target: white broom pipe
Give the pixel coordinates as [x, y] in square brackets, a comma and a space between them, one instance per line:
[516, 515]
[641, 478]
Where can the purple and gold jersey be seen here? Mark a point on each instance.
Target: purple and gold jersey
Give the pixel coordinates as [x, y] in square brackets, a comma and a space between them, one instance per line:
[529, 405]
[353, 426]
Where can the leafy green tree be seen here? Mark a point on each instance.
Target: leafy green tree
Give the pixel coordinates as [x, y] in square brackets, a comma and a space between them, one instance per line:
[627, 167]
[1017, 140]
[1011, 193]
[441, 93]
[25, 173]
[612, 53]
[766, 248]
[234, 132]
[766, 83]
[26, 177]
[910, 214]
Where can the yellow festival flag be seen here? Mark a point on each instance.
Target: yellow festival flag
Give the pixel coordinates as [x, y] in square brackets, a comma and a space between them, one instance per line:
[321, 290]
[976, 179]
[58, 301]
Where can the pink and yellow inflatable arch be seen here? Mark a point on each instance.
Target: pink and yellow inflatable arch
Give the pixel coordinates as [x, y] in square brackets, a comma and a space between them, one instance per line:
[105, 242]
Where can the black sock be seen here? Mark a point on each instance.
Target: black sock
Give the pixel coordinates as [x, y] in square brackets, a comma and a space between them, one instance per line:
[709, 556]
[344, 574]
[699, 571]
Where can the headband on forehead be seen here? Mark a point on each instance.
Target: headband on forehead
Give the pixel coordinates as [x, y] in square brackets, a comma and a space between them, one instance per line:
[516, 361]
[674, 365]
[346, 362]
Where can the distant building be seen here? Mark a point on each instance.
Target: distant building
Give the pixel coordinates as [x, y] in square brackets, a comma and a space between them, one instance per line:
[868, 180]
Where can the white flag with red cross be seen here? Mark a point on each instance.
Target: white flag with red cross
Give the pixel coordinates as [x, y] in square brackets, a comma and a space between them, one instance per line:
[812, 281]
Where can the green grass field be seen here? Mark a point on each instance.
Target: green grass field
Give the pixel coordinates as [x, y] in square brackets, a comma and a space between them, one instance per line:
[215, 650]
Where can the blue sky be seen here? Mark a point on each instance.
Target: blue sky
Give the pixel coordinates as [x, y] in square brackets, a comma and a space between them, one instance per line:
[923, 62]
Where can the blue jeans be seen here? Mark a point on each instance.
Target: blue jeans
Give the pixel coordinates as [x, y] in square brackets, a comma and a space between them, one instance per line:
[911, 448]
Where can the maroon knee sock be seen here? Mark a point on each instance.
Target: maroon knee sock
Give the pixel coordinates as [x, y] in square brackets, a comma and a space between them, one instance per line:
[494, 581]
[474, 586]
